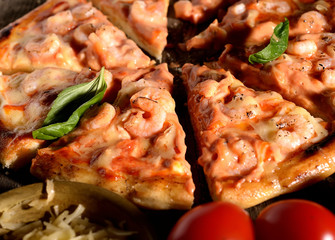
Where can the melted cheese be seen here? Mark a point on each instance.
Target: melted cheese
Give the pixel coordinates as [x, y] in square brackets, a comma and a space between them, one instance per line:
[139, 137]
[25, 99]
[144, 21]
[256, 128]
[59, 39]
[304, 73]
[258, 18]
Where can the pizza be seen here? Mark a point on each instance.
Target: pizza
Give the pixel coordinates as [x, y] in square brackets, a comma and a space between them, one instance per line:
[254, 145]
[251, 23]
[25, 100]
[306, 64]
[134, 147]
[306, 69]
[144, 21]
[68, 34]
[302, 75]
[266, 134]
[64, 43]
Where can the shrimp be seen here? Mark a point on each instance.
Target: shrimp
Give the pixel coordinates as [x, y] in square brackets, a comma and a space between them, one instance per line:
[108, 46]
[98, 117]
[243, 105]
[310, 22]
[294, 130]
[198, 11]
[305, 48]
[81, 33]
[148, 114]
[139, 18]
[83, 11]
[60, 23]
[43, 47]
[233, 156]
[328, 78]
[260, 34]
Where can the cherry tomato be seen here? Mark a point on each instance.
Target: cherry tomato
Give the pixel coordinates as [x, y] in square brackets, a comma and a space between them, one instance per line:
[215, 220]
[295, 219]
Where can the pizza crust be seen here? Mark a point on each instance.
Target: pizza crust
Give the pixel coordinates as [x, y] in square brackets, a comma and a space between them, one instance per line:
[174, 192]
[291, 175]
[156, 184]
[135, 147]
[248, 140]
[17, 151]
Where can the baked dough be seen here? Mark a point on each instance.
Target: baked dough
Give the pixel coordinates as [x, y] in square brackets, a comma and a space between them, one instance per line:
[254, 145]
[67, 34]
[134, 147]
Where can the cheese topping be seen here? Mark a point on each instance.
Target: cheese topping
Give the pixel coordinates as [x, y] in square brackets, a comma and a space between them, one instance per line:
[249, 22]
[304, 74]
[70, 35]
[145, 21]
[25, 98]
[149, 19]
[240, 130]
[137, 137]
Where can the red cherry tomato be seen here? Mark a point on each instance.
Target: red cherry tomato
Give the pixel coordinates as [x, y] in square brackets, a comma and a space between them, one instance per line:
[215, 220]
[295, 220]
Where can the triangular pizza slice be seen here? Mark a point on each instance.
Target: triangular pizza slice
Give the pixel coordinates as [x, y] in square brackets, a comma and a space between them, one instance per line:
[135, 147]
[25, 100]
[68, 34]
[144, 21]
[304, 73]
[250, 23]
[254, 145]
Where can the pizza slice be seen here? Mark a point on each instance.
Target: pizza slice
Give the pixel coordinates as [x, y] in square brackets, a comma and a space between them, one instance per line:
[134, 147]
[69, 34]
[304, 74]
[254, 145]
[250, 23]
[144, 21]
[25, 100]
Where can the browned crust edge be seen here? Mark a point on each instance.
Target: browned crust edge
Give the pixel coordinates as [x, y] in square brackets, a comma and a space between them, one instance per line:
[313, 165]
[166, 192]
[310, 166]
[17, 151]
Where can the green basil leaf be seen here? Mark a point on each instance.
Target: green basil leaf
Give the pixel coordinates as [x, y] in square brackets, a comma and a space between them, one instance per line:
[78, 97]
[277, 46]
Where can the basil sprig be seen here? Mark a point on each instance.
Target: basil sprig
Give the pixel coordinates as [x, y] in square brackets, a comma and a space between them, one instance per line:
[277, 46]
[71, 104]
